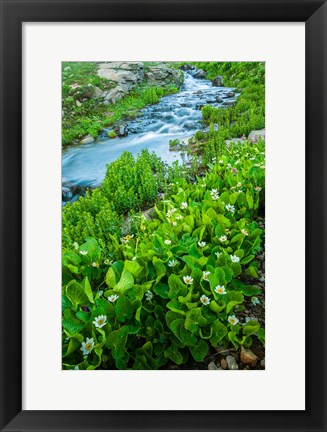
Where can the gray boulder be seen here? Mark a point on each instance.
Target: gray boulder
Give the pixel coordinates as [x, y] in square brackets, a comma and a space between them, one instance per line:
[162, 75]
[218, 81]
[254, 135]
[200, 73]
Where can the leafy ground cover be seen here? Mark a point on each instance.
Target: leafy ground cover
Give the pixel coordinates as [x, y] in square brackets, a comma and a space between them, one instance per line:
[176, 285]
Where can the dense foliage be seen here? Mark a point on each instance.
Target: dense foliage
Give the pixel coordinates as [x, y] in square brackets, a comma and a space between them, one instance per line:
[174, 286]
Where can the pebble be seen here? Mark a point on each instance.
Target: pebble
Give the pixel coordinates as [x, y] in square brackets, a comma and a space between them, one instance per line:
[223, 363]
[263, 363]
[248, 357]
[222, 350]
[232, 364]
[212, 366]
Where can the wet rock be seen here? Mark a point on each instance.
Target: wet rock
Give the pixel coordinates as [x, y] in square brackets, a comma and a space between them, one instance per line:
[219, 99]
[222, 350]
[66, 193]
[198, 92]
[211, 101]
[230, 94]
[200, 73]
[189, 125]
[187, 67]
[229, 103]
[87, 139]
[218, 81]
[231, 363]
[212, 366]
[247, 356]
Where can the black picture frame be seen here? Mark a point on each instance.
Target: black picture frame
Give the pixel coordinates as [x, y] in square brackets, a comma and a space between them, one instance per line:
[13, 14]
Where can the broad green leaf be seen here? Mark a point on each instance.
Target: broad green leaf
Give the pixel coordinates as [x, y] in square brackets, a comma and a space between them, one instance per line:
[247, 290]
[173, 354]
[134, 268]
[200, 350]
[161, 290]
[126, 282]
[87, 289]
[76, 294]
[123, 309]
[93, 249]
[222, 220]
[176, 287]
[176, 306]
[233, 298]
[219, 331]
[193, 319]
[251, 328]
[72, 325]
[111, 278]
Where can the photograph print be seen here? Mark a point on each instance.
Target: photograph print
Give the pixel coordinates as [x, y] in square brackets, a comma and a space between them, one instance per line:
[163, 215]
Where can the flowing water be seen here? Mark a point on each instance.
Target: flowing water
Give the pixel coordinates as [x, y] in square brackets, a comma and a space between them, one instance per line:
[176, 116]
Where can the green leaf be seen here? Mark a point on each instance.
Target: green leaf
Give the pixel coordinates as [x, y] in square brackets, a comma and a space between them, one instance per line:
[111, 278]
[176, 287]
[123, 309]
[249, 199]
[251, 328]
[76, 294]
[87, 289]
[72, 346]
[200, 350]
[222, 220]
[134, 268]
[194, 318]
[247, 259]
[160, 268]
[126, 282]
[161, 290]
[219, 331]
[261, 336]
[176, 306]
[173, 354]
[93, 249]
[247, 290]
[232, 299]
[72, 325]
[116, 341]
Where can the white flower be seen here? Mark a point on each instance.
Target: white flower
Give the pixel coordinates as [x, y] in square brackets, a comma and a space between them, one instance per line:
[255, 301]
[239, 184]
[107, 262]
[202, 244]
[76, 245]
[95, 264]
[149, 295]
[222, 238]
[100, 321]
[252, 158]
[233, 320]
[214, 194]
[184, 205]
[230, 208]
[221, 162]
[229, 165]
[87, 346]
[220, 289]
[112, 298]
[134, 258]
[239, 191]
[244, 232]
[172, 263]
[203, 185]
[83, 252]
[167, 242]
[174, 223]
[179, 217]
[188, 280]
[100, 293]
[234, 258]
[205, 300]
[257, 188]
[205, 275]
[217, 254]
